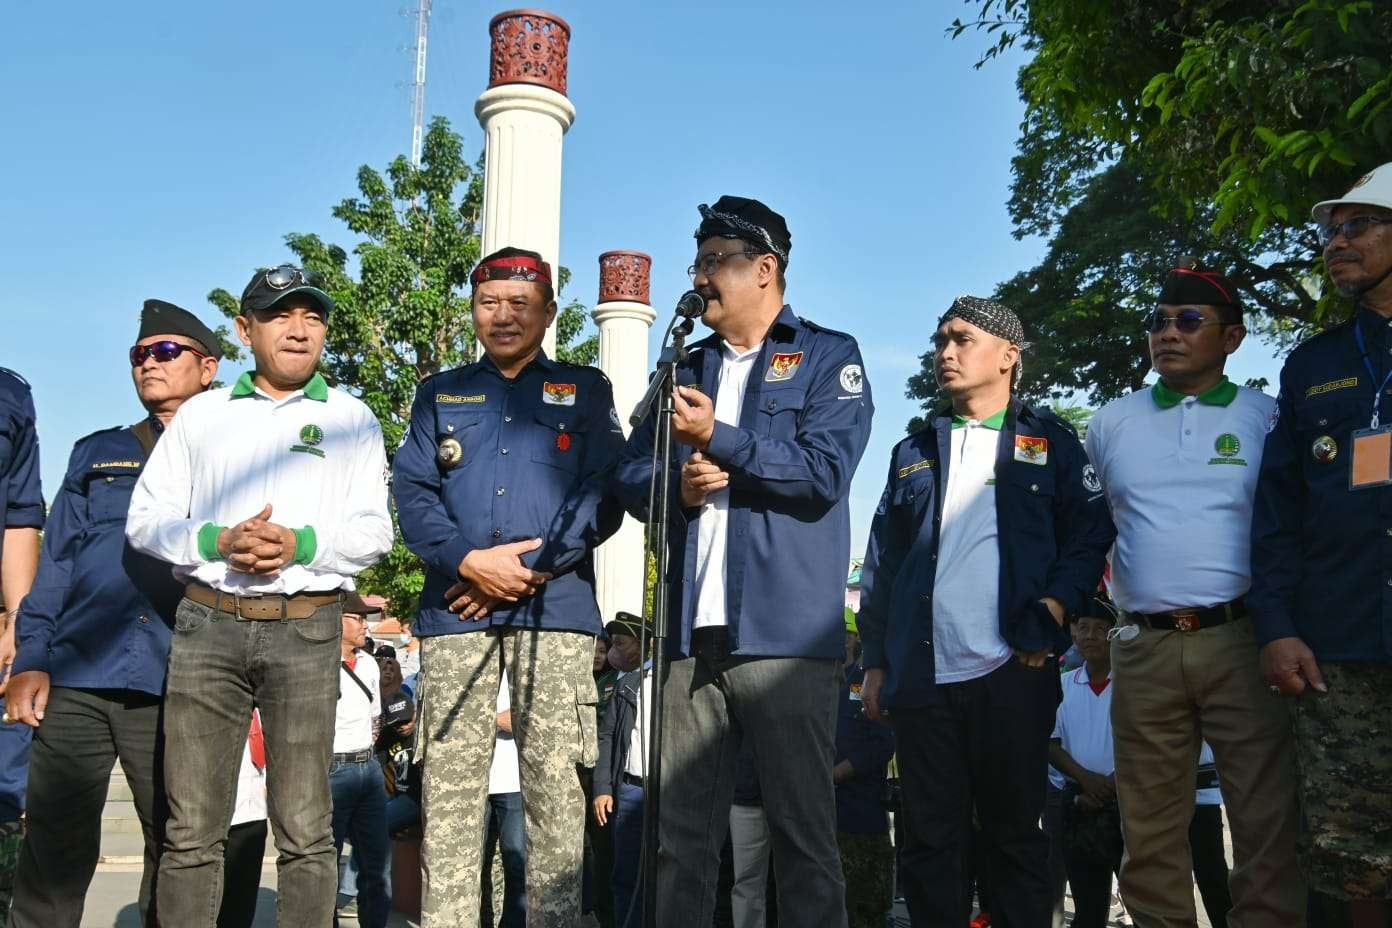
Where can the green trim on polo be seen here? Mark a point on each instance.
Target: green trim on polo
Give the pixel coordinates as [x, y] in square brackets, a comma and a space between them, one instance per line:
[207, 542]
[306, 544]
[316, 388]
[1220, 394]
[991, 422]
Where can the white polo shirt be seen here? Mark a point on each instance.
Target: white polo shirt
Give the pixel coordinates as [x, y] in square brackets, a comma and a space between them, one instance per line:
[1084, 724]
[966, 592]
[316, 456]
[636, 763]
[356, 710]
[713, 526]
[1179, 474]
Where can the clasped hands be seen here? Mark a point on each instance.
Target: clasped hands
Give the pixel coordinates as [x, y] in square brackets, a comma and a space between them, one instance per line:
[257, 545]
[491, 576]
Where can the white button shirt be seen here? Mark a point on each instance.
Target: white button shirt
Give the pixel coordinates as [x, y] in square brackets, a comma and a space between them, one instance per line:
[1180, 483]
[316, 456]
[356, 710]
[714, 526]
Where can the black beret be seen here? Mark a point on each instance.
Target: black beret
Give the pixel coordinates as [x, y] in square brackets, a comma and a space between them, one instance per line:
[1201, 287]
[747, 220]
[161, 318]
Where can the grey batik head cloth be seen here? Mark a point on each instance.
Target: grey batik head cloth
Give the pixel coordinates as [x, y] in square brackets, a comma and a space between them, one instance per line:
[995, 318]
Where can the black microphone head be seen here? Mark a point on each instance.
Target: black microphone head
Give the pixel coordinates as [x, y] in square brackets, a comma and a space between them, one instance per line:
[691, 305]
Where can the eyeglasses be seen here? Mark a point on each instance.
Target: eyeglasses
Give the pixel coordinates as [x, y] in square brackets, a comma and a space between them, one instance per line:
[278, 278]
[1188, 321]
[161, 352]
[1349, 228]
[709, 263]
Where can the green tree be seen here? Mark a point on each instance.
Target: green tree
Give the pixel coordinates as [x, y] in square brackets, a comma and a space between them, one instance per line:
[403, 308]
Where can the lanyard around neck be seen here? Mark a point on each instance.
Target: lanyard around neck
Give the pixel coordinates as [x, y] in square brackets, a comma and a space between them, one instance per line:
[1372, 375]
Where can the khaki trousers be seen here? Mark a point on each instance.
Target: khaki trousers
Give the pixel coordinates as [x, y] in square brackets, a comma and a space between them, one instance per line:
[551, 686]
[1172, 690]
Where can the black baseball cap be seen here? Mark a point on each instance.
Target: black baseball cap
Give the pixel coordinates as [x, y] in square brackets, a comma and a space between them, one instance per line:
[270, 286]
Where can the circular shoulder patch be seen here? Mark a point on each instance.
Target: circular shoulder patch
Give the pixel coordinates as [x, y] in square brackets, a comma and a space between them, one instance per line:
[852, 379]
[1091, 482]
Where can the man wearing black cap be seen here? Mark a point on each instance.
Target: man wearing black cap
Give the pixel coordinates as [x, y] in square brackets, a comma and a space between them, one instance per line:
[94, 638]
[991, 529]
[267, 497]
[1179, 463]
[772, 414]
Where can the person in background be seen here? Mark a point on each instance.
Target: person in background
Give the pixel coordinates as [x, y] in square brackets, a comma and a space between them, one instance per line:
[1206, 843]
[505, 825]
[599, 838]
[246, 837]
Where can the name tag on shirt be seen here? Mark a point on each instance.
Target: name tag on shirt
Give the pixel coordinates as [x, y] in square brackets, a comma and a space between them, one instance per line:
[1372, 458]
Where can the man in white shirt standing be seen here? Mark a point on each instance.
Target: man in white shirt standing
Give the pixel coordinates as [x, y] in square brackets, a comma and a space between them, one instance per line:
[267, 497]
[1179, 465]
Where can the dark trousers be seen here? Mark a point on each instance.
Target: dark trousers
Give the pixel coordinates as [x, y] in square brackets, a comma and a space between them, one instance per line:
[507, 835]
[1053, 830]
[1210, 863]
[360, 817]
[1092, 850]
[983, 745]
[219, 666]
[84, 733]
[241, 874]
[628, 856]
[787, 708]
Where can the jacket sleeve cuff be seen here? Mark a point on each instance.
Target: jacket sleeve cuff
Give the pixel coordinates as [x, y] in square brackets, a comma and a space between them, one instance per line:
[723, 442]
[306, 544]
[872, 655]
[1268, 627]
[449, 555]
[207, 542]
[30, 657]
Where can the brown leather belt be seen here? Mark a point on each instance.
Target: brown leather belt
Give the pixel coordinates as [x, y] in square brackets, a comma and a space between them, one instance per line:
[271, 607]
[1191, 620]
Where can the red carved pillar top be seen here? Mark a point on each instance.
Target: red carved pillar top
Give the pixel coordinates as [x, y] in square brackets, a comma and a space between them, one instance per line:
[624, 276]
[529, 47]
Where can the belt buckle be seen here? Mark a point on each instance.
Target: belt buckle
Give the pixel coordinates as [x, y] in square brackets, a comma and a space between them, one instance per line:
[1185, 620]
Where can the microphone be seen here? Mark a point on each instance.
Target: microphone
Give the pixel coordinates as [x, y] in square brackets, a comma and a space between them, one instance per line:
[691, 305]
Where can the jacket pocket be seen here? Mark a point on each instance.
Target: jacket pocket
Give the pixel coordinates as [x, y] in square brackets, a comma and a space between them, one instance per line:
[559, 438]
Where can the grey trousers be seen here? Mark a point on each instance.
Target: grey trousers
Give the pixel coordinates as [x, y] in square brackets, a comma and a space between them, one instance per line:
[787, 708]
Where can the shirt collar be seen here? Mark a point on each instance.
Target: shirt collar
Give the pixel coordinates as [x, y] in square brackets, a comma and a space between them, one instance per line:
[541, 361]
[1220, 394]
[314, 389]
[1081, 677]
[730, 354]
[995, 421]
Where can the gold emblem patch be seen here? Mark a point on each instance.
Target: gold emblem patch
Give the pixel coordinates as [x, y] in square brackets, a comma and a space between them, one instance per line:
[1332, 386]
[912, 468]
[450, 452]
[456, 398]
[1324, 449]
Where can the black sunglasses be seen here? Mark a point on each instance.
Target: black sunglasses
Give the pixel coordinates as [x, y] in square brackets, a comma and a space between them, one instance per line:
[1349, 228]
[278, 278]
[161, 352]
[1188, 321]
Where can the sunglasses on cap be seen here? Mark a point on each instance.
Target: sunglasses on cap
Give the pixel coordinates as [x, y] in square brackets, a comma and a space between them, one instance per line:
[1188, 321]
[1349, 228]
[287, 275]
[161, 352]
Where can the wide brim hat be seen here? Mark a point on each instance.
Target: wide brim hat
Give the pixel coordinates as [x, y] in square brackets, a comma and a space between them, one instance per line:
[1372, 189]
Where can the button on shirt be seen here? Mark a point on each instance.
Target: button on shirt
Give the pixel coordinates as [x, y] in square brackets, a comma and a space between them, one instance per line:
[713, 525]
[1180, 473]
[966, 597]
[316, 456]
[357, 708]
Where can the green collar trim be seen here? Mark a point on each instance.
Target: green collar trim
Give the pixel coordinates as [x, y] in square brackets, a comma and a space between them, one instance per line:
[315, 389]
[1220, 394]
[996, 421]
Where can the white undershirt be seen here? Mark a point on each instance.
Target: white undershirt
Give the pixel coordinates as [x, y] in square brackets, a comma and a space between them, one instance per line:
[503, 776]
[713, 524]
[355, 711]
[637, 762]
[966, 594]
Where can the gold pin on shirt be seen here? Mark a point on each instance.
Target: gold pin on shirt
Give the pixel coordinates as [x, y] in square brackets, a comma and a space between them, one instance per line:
[1324, 449]
[449, 453]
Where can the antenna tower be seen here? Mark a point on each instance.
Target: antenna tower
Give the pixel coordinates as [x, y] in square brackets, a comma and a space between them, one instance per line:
[418, 86]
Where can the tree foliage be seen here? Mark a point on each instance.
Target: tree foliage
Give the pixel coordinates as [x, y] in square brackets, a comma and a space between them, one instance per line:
[402, 304]
[1156, 129]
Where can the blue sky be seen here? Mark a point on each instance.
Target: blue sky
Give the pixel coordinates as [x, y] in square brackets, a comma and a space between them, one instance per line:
[162, 149]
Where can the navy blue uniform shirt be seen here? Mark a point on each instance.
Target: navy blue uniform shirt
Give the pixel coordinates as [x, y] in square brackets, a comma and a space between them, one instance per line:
[1322, 553]
[535, 452]
[101, 614]
[868, 746]
[802, 429]
[1053, 530]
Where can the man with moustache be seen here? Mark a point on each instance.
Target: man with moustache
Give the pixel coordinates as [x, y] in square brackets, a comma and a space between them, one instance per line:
[94, 638]
[1179, 464]
[267, 497]
[772, 414]
[1320, 567]
[991, 530]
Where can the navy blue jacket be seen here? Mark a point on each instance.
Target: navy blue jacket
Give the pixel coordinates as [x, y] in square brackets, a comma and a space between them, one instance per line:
[868, 746]
[537, 451]
[615, 729]
[802, 429]
[1053, 527]
[101, 614]
[1322, 553]
[21, 496]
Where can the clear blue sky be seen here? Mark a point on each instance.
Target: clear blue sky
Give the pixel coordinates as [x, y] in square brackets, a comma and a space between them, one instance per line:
[162, 149]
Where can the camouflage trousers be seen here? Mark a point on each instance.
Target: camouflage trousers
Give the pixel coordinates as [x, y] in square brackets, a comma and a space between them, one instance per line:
[1343, 756]
[553, 697]
[11, 837]
[868, 864]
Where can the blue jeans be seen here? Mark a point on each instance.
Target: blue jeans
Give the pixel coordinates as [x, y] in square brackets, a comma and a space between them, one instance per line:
[628, 855]
[508, 827]
[403, 811]
[360, 816]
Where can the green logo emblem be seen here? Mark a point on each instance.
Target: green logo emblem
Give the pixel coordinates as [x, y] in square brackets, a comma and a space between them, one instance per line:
[313, 435]
[1227, 445]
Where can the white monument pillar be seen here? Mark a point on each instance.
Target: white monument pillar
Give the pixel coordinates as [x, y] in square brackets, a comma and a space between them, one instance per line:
[623, 316]
[524, 114]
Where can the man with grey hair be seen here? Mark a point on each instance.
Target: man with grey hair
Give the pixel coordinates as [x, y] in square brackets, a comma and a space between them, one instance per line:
[991, 530]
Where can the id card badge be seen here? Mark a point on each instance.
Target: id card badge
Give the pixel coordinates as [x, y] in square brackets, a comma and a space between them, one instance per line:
[1372, 458]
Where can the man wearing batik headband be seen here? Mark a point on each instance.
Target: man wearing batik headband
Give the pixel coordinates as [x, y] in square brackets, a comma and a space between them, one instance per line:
[1179, 463]
[990, 530]
[499, 488]
[772, 414]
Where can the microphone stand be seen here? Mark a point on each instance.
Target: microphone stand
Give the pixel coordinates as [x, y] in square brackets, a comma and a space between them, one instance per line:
[659, 501]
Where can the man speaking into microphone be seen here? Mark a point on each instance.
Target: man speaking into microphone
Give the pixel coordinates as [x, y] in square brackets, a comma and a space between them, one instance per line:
[771, 416]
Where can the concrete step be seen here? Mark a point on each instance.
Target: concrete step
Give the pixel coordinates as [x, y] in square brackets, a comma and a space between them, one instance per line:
[119, 816]
[118, 789]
